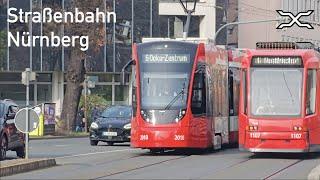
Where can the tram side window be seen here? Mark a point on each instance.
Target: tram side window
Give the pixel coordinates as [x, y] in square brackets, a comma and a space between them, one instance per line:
[230, 88]
[134, 92]
[234, 92]
[244, 91]
[198, 105]
[311, 92]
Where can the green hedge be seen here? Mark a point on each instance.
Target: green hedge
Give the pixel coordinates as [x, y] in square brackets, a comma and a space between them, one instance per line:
[93, 101]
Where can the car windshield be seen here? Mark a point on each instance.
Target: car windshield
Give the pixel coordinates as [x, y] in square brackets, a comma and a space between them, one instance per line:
[276, 91]
[117, 112]
[161, 90]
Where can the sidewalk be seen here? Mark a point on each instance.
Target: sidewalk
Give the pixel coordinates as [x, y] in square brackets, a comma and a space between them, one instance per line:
[14, 166]
[73, 135]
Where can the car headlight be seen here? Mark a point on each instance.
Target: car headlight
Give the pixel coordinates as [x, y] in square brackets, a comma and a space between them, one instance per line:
[127, 126]
[94, 125]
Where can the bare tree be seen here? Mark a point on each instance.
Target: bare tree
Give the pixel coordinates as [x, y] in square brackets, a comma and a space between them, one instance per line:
[76, 68]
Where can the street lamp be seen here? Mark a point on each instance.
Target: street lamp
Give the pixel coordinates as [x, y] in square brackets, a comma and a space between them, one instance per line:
[241, 22]
[184, 4]
[224, 18]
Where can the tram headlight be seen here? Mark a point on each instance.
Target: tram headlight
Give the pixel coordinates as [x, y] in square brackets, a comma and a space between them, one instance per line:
[180, 115]
[145, 115]
[298, 128]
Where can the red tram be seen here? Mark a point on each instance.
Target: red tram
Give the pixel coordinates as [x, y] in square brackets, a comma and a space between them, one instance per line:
[235, 57]
[180, 95]
[280, 98]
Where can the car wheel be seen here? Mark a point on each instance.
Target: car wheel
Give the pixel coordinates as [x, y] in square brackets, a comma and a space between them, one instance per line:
[21, 152]
[93, 142]
[3, 147]
[110, 143]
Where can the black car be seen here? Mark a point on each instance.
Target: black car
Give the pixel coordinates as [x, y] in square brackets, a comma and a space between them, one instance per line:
[10, 137]
[113, 126]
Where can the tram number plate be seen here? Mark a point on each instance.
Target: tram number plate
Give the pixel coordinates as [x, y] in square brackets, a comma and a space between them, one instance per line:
[296, 136]
[179, 137]
[255, 135]
[144, 137]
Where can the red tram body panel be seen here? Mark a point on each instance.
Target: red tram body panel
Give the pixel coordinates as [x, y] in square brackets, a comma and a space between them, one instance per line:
[179, 95]
[280, 100]
[235, 56]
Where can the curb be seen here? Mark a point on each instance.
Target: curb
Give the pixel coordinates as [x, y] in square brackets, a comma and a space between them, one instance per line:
[315, 174]
[26, 166]
[57, 137]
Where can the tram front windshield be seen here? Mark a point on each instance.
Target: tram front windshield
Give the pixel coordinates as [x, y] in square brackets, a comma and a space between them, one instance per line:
[276, 91]
[165, 73]
[160, 89]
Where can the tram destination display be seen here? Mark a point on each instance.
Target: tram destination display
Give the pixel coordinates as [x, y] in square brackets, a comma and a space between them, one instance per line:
[267, 61]
[166, 58]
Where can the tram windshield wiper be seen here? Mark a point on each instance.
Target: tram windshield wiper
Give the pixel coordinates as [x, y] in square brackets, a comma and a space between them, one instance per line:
[168, 106]
[286, 83]
[174, 99]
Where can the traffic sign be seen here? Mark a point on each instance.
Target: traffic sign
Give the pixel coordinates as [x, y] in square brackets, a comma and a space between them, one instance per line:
[86, 93]
[91, 81]
[91, 84]
[28, 76]
[20, 120]
[93, 78]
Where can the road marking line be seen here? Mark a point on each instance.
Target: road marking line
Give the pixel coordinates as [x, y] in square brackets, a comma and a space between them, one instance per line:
[61, 145]
[101, 152]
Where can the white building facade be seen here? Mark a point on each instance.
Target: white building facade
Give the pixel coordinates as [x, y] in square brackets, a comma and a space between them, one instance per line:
[251, 10]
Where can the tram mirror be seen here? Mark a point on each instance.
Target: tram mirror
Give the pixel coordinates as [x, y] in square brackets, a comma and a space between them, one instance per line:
[123, 72]
[122, 78]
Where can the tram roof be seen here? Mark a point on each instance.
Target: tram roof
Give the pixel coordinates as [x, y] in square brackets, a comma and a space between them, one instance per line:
[190, 40]
[282, 52]
[307, 55]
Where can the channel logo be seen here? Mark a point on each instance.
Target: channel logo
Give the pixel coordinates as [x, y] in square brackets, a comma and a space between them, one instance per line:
[295, 19]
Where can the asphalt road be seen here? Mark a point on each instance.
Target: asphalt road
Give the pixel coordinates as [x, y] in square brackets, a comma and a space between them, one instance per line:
[76, 159]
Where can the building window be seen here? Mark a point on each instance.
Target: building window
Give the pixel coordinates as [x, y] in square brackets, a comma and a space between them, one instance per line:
[104, 91]
[3, 35]
[318, 11]
[44, 93]
[10, 77]
[16, 92]
[172, 26]
[44, 77]
[121, 95]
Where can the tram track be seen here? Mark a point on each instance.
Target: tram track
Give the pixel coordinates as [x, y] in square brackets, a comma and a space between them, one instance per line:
[282, 169]
[141, 167]
[131, 164]
[227, 167]
[309, 156]
[167, 153]
[238, 167]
